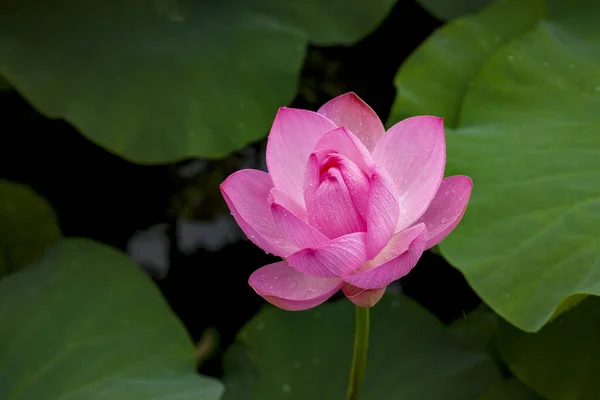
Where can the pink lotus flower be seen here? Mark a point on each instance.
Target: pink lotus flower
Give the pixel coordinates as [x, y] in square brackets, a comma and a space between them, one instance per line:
[346, 204]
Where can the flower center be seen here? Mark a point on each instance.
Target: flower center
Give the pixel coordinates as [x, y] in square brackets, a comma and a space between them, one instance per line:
[331, 162]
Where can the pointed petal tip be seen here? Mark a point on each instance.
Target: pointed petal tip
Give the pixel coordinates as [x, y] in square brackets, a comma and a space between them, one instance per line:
[447, 208]
[433, 120]
[351, 111]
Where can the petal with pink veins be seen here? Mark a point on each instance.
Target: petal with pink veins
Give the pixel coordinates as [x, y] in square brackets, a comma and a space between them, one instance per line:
[350, 111]
[292, 138]
[330, 207]
[383, 212]
[334, 258]
[286, 288]
[293, 227]
[363, 297]
[280, 197]
[447, 208]
[413, 152]
[355, 179]
[394, 261]
[342, 141]
[246, 193]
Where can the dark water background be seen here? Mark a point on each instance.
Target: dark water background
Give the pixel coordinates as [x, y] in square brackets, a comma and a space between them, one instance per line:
[173, 216]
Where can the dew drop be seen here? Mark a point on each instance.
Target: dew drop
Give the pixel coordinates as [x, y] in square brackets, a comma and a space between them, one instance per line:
[286, 388]
[260, 326]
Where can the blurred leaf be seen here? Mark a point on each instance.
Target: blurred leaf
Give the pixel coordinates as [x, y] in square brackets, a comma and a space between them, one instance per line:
[529, 138]
[476, 330]
[307, 355]
[162, 80]
[561, 361]
[435, 78]
[4, 85]
[84, 322]
[27, 226]
[510, 389]
[447, 10]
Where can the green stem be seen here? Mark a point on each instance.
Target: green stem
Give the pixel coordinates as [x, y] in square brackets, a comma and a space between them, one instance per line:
[361, 345]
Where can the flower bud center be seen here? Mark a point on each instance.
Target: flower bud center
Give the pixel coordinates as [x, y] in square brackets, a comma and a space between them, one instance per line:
[331, 162]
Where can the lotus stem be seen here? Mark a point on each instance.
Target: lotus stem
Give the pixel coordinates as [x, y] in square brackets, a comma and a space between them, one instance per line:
[359, 361]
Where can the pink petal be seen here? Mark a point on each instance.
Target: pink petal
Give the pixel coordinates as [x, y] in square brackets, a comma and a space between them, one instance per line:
[293, 227]
[350, 111]
[394, 261]
[286, 288]
[355, 179]
[363, 297]
[383, 212]
[292, 138]
[331, 209]
[342, 141]
[413, 152]
[337, 257]
[280, 197]
[246, 193]
[447, 208]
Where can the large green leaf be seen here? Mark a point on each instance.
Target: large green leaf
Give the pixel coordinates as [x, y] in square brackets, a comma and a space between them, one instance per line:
[434, 79]
[161, 80]
[447, 10]
[84, 322]
[477, 330]
[561, 361]
[510, 389]
[530, 139]
[307, 355]
[27, 226]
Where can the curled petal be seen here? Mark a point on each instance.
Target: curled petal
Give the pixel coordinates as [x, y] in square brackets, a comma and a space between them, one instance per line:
[383, 212]
[447, 208]
[342, 141]
[363, 297]
[290, 225]
[334, 258]
[355, 179]
[286, 288]
[246, 193]
[331, 209]
[350, 111]
[413, 152]
[292, 138]
[394, 261]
